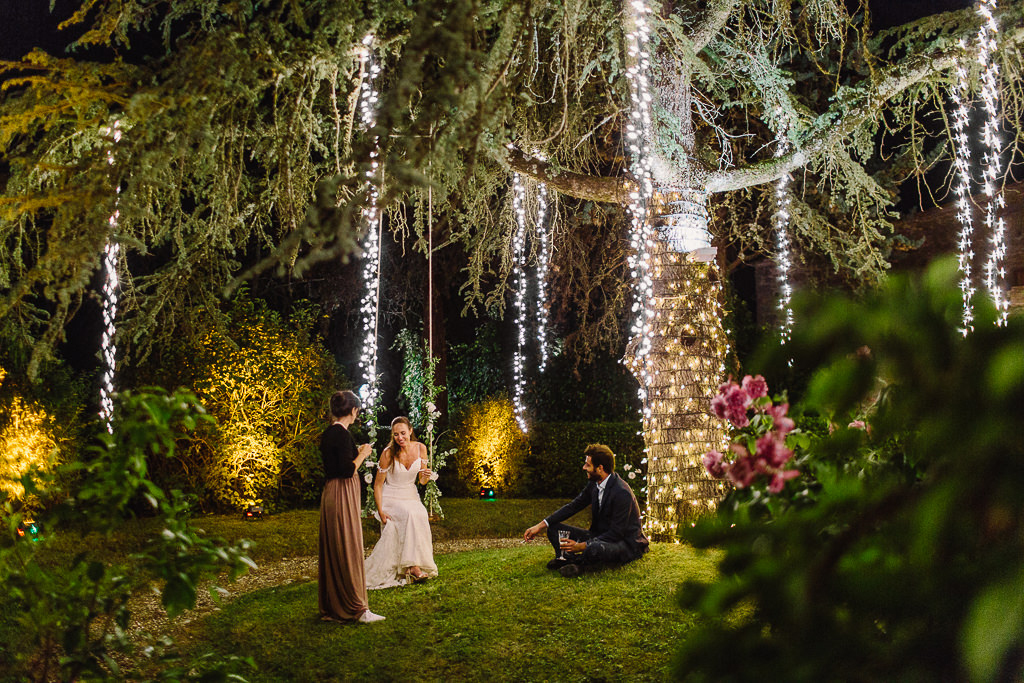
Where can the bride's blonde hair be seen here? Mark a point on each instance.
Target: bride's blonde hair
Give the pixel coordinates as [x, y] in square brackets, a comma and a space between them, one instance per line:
[392, 446]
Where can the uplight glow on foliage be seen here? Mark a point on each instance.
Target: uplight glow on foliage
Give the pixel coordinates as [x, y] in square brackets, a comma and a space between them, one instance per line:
[491, 447]
[26, 442]
[266, 380]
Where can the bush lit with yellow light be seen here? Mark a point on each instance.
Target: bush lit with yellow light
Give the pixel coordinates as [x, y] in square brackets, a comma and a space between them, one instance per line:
[266, 379]
[492, 450]
[27, 441]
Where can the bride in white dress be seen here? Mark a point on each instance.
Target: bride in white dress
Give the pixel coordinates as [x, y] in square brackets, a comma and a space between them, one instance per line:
[405, 552]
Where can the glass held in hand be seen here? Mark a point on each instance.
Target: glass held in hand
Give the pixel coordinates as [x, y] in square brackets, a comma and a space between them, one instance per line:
[563, 534]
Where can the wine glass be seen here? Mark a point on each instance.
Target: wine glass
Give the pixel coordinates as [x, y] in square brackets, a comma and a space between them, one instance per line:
[562, 533]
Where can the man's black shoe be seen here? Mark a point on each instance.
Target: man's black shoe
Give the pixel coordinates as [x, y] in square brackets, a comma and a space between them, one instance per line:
[570, 570]
[557, 563]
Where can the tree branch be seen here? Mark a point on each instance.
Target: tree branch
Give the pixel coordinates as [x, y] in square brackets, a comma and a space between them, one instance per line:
[711, 23]
[609, 189]
[853, 106]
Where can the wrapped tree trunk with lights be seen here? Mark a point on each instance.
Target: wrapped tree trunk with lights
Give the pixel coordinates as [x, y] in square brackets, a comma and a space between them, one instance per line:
[685, 365]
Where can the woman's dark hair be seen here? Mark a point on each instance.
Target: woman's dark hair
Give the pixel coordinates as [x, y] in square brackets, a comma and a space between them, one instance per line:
[600, 454]
[343, 403]
[392, 446]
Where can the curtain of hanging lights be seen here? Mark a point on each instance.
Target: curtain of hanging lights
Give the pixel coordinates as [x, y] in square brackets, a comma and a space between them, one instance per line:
[995, 273]
[371, 243]
[521, 284]
[110, 285]
[678, 348]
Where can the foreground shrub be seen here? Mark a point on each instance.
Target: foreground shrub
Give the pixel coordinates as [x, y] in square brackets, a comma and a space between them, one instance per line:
[898, 552]
[72, 619]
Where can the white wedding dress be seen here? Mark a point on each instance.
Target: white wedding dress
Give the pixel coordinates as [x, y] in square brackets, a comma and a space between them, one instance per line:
[405, 541]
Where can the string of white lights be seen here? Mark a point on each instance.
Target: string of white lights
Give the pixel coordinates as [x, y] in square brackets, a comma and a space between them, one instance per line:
[111, 251]
[543, 261]
[520, 283]
[782, 250]
[371, 243]
[638, 133]
[995, 272]
[960, 94]
[782, 254]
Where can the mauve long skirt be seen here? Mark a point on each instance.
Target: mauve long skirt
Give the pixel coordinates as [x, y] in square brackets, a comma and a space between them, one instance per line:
[341, 580]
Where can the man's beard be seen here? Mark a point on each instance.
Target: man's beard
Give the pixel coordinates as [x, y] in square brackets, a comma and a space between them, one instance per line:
[593, 476]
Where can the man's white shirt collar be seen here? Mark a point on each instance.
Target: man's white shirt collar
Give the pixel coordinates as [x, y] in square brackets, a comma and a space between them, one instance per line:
[600, 490]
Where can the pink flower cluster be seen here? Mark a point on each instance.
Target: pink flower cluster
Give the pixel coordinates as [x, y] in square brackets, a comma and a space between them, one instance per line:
[770, 453]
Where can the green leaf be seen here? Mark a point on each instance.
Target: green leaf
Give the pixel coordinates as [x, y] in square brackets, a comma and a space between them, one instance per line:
[179, 594]
[1006, 370]
[994, 627]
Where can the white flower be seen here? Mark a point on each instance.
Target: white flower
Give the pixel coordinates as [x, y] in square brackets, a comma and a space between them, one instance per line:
[632, 475]
[367, 477]
[431, 408]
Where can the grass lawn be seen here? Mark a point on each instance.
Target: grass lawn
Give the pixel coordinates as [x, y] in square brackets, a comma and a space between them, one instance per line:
[494, 614]
[489, 615]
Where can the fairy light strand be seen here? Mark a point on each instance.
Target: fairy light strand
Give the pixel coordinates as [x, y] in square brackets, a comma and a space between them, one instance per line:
[965, 249]
[782, 246]
[111, 251]
[520, 284]
[543, 261]
[371, 243]
[638, 132]
[995, 272]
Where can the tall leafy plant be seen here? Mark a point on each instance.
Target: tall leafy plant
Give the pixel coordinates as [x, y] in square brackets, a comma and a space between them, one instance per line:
[419, 394]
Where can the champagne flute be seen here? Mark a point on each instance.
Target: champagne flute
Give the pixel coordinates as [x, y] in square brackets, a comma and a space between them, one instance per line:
[562, 533]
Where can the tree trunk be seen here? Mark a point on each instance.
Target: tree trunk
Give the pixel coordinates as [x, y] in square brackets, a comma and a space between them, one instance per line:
[686, 364]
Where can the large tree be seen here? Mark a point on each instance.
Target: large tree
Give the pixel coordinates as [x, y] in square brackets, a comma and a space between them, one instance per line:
[242, 151]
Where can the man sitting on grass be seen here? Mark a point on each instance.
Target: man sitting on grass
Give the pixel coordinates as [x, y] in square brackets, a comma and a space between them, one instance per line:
[615, 536]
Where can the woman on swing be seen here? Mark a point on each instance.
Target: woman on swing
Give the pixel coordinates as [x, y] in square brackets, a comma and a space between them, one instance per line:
[405, 553]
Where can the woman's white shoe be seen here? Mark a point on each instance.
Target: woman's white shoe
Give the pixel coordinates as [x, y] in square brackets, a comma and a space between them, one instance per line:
[369, 617]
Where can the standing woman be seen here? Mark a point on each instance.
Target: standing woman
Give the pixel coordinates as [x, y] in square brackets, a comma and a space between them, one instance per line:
[341, 578]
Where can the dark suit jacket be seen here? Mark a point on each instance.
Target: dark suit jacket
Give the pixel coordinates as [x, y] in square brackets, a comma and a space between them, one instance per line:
[616, 520]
